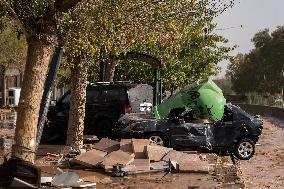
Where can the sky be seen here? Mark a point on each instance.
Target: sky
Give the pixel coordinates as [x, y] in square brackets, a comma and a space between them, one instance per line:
[253, 16]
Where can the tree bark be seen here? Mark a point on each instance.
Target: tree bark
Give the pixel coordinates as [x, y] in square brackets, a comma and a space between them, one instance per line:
[79, 75]
[38, 56]
[109, 70]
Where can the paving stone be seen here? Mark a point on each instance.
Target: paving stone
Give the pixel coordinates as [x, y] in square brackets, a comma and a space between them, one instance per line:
[159, 165]
[117, 157]
[126, 145]
[179, 157]
[138, 165]
[139, 147]
[107, 145]
[91, 158]
[197, 166]
[141, 164]
[156, 153]
[129, 168]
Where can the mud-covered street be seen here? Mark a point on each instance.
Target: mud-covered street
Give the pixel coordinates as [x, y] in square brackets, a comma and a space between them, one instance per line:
[264, 170]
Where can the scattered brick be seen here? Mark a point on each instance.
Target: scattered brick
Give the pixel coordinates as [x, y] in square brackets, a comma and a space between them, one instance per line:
[141, 164]
[117, 157]
[126, 145]
[160, 165]
[156, 153]
[179, 157]
[107, 145]
[196, 166]
[139, 147]
[138, 165]
[129, 168]
[91, 158]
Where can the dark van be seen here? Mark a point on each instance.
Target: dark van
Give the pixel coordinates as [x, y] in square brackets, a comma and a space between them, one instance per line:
[105, 103]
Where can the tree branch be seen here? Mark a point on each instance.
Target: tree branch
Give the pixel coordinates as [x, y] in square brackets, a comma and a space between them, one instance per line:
[153, 61]
[65, 5]
[16, 18]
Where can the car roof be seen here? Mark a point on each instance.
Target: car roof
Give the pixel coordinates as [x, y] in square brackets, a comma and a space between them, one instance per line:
[113, 85]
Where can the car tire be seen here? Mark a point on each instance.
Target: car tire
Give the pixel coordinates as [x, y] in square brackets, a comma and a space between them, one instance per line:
[244, 149]
[103, 128]
[158, 139]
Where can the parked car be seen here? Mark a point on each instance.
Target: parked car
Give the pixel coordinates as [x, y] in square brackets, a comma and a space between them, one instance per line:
[105, 103]
[236, 133]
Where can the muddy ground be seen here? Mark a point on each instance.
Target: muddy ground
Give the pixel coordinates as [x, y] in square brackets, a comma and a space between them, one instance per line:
[223, 174]
[264, 170]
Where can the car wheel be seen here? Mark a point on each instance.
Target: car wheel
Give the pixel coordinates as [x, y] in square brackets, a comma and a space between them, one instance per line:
[158, 139]
[103, 128]
[244, 149]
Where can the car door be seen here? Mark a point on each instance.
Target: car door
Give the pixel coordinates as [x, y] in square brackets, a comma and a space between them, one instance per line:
[188, 135]
[225, 131]
[93, 98]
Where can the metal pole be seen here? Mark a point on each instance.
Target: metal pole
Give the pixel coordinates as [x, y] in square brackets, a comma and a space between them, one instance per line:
[159, 87]
[282, 87]
[155, 87]
[48, 86]
[161, 90]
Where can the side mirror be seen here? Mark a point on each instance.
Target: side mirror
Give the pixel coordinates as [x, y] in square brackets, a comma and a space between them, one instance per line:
[53, 103]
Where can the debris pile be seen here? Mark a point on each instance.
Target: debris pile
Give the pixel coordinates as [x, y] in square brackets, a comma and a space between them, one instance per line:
[119, 159]
[134, 156]
[8, 119]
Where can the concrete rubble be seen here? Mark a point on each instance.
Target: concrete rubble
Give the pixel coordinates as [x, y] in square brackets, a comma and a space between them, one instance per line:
[90, 159]
[107, 145]
[7, 125]
[156, 153]
[139, 147]
[117, 158]
[126, 145]
[127, 157]
[8, 119]
[139, 156]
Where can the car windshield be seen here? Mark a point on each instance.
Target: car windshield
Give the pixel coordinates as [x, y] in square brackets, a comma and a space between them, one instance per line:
[66, 99]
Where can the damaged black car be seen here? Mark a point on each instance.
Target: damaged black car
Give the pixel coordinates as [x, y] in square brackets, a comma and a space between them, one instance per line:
[233, 132]
[236, 133]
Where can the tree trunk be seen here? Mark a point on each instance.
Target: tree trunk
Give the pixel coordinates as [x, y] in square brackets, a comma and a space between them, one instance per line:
[38, 57]
[79, 75]
[109, 70]
[102, 71]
